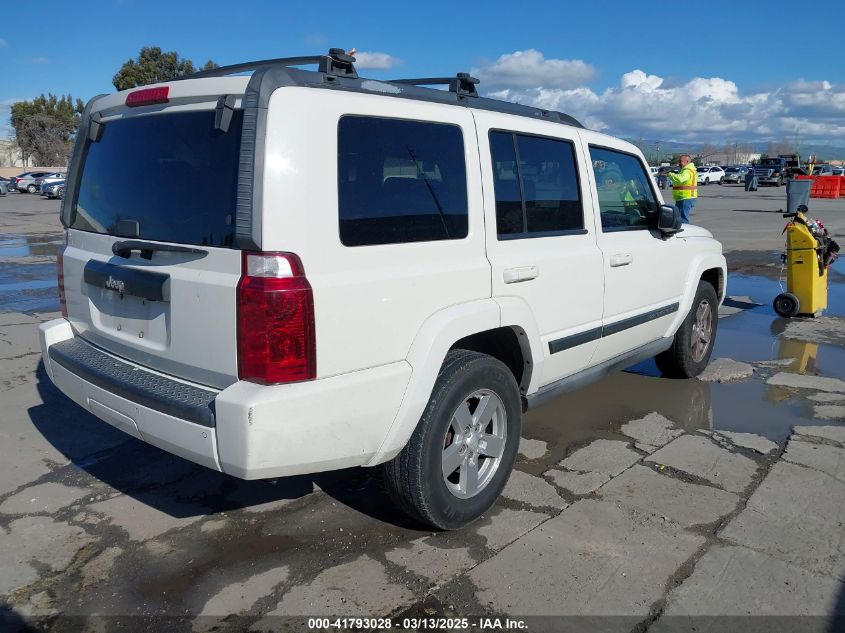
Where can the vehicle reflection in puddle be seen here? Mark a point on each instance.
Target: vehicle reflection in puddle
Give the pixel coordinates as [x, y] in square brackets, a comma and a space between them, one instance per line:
[600, 409]
[750, 406]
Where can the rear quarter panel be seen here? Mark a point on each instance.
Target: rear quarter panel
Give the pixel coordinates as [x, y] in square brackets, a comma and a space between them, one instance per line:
[370, 301]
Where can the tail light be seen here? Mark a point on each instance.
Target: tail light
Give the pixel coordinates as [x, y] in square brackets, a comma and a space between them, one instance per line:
[60, 274]
[276, 338]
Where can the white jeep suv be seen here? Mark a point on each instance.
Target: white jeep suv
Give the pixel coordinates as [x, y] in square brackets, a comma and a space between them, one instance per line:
[362, 273]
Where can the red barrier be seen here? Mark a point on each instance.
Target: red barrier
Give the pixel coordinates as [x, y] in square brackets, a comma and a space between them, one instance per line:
[826, 187]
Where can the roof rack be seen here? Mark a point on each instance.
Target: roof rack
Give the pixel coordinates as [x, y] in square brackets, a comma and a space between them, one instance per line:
[336, 63]
[462, 84]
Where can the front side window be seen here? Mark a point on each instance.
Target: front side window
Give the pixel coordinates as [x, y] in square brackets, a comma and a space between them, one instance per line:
[536, 186]
[400, 181]
[626, 200]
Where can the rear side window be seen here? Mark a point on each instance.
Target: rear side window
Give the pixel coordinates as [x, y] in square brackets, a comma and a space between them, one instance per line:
[536, 185]
[400, 181]
[166, 177]
[626, 199]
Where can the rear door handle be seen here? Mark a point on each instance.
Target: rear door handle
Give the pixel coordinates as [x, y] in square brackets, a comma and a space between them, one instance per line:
[621, 259]
[522, 273]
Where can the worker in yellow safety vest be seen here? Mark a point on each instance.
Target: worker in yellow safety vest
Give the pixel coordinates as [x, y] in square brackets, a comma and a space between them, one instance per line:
[685, 187]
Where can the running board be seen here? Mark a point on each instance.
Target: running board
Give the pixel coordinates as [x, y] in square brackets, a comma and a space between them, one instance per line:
[592, 374]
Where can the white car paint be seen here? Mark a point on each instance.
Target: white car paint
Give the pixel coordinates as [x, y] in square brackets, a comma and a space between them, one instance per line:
[710, 175]
[386, 315]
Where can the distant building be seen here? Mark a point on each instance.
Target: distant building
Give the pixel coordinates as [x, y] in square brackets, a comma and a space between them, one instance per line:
[10, 154]
[732, 158]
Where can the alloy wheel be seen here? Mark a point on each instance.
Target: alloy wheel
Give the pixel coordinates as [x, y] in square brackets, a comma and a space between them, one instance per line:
[702, 331]
[474, 444]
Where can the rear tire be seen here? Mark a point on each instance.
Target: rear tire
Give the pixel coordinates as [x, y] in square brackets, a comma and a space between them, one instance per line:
[693, 342]
[722, 180]
[470, 428]
[786, 305]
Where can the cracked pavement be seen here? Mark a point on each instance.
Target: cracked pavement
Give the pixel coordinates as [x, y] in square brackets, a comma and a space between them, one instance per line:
[637, 504]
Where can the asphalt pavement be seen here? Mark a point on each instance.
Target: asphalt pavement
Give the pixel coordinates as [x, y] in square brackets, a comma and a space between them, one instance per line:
[637, 504]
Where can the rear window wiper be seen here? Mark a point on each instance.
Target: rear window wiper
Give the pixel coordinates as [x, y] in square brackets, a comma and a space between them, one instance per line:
[126, 247]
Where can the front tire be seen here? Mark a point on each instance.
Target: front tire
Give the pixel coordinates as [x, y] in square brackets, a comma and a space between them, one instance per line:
[706, 181]
[461, 454]
[693, 342]
[31, 189]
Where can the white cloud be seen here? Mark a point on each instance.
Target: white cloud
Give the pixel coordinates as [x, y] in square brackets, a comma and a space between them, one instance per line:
[375, 61]
[530, 69]
[5, 117]
[698, 109]
[3, 43]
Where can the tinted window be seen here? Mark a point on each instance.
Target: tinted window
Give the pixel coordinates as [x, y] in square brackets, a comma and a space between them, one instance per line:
[172, 174]
[536, 185]
[626, 200]
[400, 181]
[510, 217]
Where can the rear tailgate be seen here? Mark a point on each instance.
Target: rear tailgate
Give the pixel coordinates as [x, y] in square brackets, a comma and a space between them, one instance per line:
[151, 268]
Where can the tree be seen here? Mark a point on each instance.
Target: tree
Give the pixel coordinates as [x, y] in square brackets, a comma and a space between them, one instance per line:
[153, 66]
[782, 147]
[44, 127]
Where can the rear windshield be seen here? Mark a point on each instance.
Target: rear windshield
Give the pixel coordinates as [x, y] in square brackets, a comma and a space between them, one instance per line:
[170, 178]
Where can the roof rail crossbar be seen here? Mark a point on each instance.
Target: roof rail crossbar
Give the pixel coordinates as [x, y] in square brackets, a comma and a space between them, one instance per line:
[336, 64]
[462, 84]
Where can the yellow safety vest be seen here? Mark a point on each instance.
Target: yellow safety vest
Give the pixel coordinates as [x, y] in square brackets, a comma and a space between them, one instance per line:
[689, 190]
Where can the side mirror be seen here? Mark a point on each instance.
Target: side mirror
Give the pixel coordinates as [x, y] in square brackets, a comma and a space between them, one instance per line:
[669, 220]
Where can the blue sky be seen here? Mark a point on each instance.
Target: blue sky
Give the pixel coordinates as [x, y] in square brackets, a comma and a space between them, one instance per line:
[655, 69]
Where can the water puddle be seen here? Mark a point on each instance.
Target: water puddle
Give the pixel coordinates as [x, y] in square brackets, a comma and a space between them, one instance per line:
[752, 406]
[28, 288]
[27, 276]
[29, 245]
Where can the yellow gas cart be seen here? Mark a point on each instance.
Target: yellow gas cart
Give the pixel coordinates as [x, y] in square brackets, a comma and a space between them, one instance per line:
[809, 253]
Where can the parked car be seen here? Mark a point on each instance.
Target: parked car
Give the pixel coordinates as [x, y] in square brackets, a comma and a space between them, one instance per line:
[706, 175]
[54, 177]
[736, 174]
[53, 190]
[4, 187]
[838, 170]
[823, 170]
[25, 183]
[378, 297]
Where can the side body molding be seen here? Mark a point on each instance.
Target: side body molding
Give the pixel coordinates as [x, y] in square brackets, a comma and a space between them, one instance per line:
[437, 334]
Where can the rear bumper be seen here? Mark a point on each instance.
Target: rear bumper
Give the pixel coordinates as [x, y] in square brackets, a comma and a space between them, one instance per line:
[247, 430]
